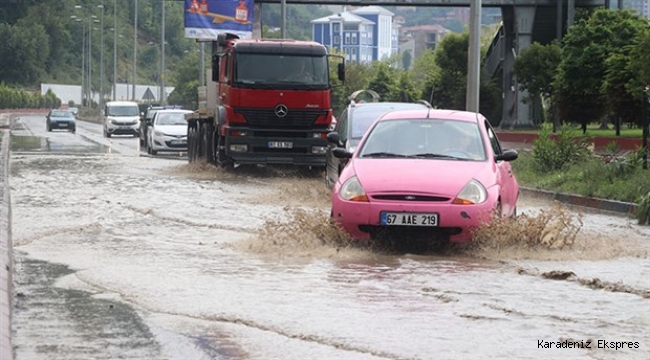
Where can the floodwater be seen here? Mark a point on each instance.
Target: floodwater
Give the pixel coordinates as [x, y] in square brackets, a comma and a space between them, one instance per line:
[120, 255]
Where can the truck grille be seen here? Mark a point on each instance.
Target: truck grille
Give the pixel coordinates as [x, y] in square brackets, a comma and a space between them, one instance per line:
[295, 119]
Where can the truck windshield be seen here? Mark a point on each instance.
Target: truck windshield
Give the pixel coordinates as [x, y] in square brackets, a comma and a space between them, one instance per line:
[122, 111]
[273, 69]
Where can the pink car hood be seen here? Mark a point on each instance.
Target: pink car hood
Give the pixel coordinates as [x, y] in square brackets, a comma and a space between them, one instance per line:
[431, 176]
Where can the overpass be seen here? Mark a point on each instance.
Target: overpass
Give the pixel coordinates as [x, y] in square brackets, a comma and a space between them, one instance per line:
[523, 22]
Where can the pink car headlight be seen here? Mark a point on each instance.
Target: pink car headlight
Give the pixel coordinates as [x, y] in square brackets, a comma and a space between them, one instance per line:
[353, 191]
[473, 193]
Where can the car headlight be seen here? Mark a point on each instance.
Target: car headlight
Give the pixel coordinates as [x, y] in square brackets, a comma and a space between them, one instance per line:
[353, 191]
[473, 193]
[158, 133]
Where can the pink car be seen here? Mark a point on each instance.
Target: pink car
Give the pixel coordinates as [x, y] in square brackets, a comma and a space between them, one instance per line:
[433, 175]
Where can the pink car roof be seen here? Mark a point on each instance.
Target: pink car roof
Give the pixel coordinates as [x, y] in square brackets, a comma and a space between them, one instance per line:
[431, 113]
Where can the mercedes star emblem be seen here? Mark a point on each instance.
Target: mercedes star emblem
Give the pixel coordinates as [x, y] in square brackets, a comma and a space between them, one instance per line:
[281, 110]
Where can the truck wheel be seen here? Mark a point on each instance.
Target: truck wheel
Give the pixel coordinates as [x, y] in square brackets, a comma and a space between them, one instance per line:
[223, 160]
[190, 144]
[208, 143]
[195, 142]
[200, 144]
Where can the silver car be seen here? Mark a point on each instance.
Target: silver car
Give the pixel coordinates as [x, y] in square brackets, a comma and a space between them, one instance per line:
[167, 132]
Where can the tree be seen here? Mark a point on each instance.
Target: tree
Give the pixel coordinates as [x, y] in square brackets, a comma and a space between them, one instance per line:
[407, 60]
[23, 48]
[186, 83]
[405, 90]
[621, 105]
[383, 83]
[535, 68]
[639, 65]
[424, 70]
[581, 74]
[448, 86]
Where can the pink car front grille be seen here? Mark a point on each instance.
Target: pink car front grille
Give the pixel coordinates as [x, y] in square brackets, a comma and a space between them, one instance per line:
[407, 197]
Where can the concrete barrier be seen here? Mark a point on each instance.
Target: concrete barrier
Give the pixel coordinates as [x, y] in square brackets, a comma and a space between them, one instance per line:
[6, 248]
[620, 207]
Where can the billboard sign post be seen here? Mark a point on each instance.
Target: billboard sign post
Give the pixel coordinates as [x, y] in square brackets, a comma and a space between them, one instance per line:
[205, 19]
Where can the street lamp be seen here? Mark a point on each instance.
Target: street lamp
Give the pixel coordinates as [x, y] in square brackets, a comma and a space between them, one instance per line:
[114, 50]
[83, 54]
[135, 50]
[101, 61]
[162, 61]
[645, 124]
[90, 52]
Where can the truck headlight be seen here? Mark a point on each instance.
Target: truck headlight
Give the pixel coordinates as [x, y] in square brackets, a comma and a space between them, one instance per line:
[318, 149]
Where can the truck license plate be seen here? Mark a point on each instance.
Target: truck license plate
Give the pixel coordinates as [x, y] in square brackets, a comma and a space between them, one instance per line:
[280, 145]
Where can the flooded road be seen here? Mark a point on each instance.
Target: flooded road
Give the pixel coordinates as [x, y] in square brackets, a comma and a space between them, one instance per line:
[119, 255]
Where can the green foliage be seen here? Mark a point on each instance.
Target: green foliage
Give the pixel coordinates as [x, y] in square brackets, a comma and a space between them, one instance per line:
[552, 154]
[407, 60]
[448, 86]
[639, 64]
[383, 82]
[536, 66]
[298, 19]
[20, 99]
[643, 211]
[405, 90]
[579, 82]
[589, 177]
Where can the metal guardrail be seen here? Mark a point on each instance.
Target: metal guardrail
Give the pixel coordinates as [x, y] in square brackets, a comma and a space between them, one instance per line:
[6, 247]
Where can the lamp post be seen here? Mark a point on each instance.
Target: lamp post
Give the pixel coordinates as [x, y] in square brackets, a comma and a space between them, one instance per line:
[114, 50]
[135, 49]
[83, 54]
[90, 59]
[645, 123]
[162, 59]
[101, 61]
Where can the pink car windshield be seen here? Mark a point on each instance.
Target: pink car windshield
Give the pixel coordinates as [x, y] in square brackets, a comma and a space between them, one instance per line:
[425, 138]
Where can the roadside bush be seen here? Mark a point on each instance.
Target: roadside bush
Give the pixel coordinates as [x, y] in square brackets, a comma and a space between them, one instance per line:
[591, 177]
[552, 154]
[643, 211]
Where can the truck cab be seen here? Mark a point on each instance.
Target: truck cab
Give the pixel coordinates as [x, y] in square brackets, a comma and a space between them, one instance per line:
[270, 103]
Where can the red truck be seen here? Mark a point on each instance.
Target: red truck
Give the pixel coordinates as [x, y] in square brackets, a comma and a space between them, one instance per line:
[268, 103]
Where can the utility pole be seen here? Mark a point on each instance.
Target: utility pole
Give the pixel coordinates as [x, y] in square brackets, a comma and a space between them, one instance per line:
[162, 60]
[101, 61]
[83, 60]
[114, 50]
[474, 57]
[202, 62]
[283, 19]
[645, 125]
[135, 50]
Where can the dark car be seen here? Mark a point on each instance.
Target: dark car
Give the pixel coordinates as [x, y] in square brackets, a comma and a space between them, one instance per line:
[146, 122]
[61, 119]
[352, 125]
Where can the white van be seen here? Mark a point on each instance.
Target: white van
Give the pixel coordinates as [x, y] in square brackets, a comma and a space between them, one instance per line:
[121, 118]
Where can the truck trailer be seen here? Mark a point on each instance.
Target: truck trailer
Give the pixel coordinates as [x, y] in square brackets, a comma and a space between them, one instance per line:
[265, 102]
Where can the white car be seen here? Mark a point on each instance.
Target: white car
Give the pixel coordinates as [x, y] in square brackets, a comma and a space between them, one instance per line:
[121, 118]
[167, 132]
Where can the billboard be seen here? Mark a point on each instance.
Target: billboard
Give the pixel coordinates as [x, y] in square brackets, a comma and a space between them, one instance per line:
[205, 19]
